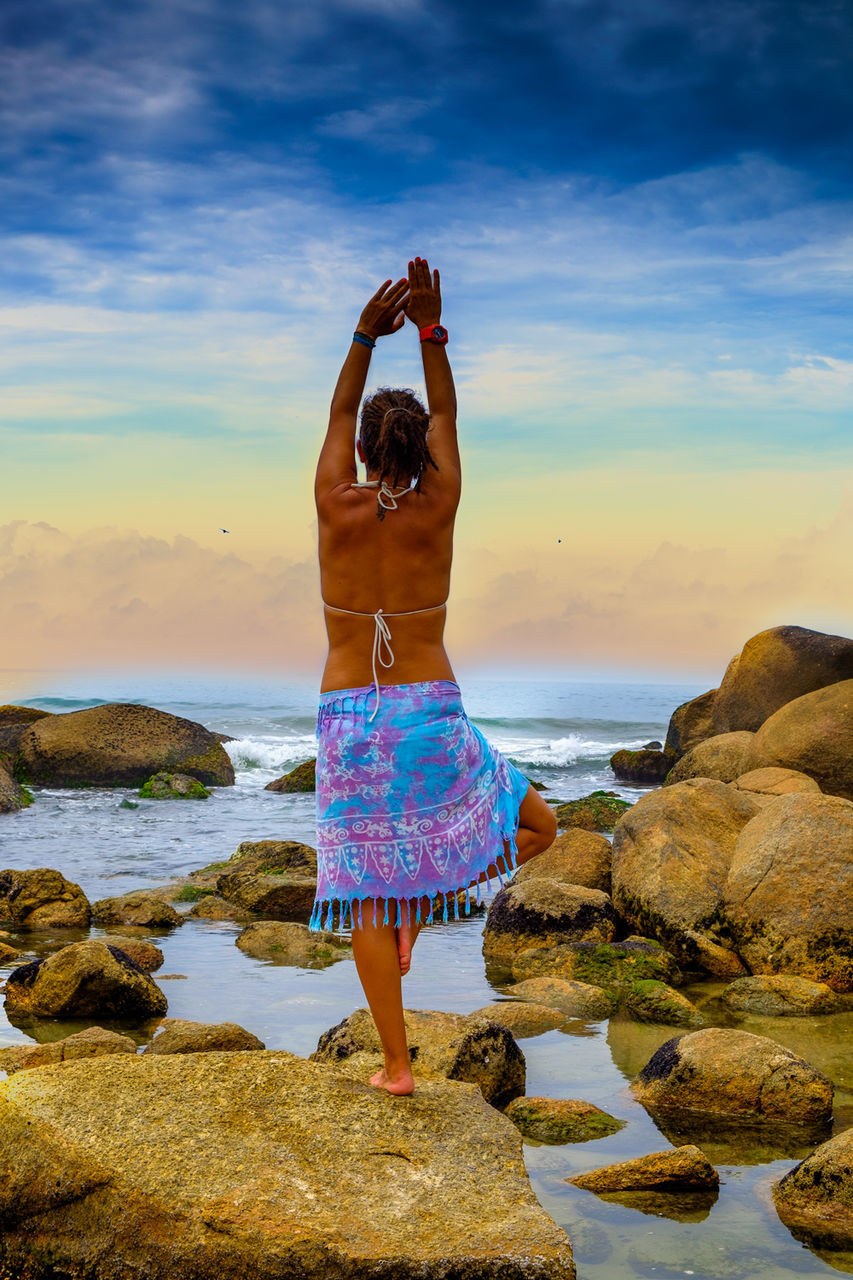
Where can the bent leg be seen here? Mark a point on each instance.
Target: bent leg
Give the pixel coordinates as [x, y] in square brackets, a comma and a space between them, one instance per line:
[407, 933]
[377, 960]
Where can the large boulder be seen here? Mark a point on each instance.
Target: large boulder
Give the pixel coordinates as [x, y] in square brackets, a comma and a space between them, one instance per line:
[178, 1035]
[691, 723]
[42, 899]
[94, 1042]
[814, 735]
[721, 757]
[286, 942]
[14, 722]
[789, 892]
[773, 669]
[576, 857]
[302, 778]
[772, 781]
[733, 1073]
[84, 980]
[273, 878]
[671, 856]
[138, 908]
[815, 1199]
[142, 953]
[614, 967]
[226, 1165]
[119, 745]
[647, 766]
[544, 913]
[444, 1046]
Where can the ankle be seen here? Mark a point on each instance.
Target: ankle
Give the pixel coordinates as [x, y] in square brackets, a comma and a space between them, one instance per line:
[398, 1066]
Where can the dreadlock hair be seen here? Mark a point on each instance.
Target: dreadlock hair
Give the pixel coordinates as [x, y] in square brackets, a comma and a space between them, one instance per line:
[394, 425]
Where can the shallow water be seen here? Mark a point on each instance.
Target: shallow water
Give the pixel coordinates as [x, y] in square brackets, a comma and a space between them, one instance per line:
[109, 850]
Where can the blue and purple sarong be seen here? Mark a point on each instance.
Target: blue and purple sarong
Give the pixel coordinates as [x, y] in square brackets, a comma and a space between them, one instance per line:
[411, 804]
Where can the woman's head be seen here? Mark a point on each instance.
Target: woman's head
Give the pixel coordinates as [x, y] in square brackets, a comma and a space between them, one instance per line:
[394, 427]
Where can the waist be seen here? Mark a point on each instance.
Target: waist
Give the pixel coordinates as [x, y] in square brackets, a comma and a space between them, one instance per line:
[399, 704]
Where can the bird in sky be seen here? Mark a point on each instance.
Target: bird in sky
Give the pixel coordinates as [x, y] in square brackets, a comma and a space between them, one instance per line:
[224, 530]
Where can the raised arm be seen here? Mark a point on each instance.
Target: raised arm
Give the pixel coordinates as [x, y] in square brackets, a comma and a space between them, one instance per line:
[424, 310]
[383, 314]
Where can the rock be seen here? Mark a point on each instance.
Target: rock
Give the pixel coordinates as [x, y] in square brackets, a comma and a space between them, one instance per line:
[721, 757]
[291, 943]
[274, 878]
[177, 1035]
[772, 781]
[94, 1042]
[671, 856]
[302, 778]
[778, 922]
[783, 996]
[84, 980]
[576, 857]
[8, 953]
[173, 786]
[575, 999]
[444, 1046]
[691, 723]
[42, 899]
[654, 745]
[774, 668]
[14, 722]
[561, 1120]
[221, 1166]
[12, 715]
[815, 1199]
[651, 1001]
[119, 745]
[680, 1169]
[599, 811]
[696, 951]
[539, 912]
[13, 797]
[645, 766]
[613, 966]
[212, 907]
[814, 735]
[733, 1073]
[145, 955]
[139, 907]
[520, 1018]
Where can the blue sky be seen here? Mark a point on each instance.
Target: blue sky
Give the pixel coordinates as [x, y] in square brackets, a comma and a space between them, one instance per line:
[642, 212]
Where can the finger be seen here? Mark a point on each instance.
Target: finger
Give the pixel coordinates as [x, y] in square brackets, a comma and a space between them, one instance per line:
[379, 292]
[436, 282]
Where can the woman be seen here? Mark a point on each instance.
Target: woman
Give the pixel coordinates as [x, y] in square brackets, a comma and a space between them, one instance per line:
[412, 802]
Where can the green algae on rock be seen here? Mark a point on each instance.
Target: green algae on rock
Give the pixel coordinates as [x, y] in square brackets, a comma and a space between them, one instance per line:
[293, 1171]
[599, 811]
[173, 786]
[647, 766]
[556, 1121]
[302, 778]
[612, 966]
[653, 1001]
[541, 912]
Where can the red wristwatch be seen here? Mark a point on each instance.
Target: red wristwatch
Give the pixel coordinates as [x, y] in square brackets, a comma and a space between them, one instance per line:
[434, 333]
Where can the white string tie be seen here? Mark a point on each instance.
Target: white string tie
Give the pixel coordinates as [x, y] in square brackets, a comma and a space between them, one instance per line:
[386, 497]
[381, 639]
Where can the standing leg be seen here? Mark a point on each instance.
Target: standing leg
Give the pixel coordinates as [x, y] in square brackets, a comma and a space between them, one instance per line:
[377, 960]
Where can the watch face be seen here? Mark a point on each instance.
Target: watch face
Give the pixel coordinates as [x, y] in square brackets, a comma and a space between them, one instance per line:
[439, 333]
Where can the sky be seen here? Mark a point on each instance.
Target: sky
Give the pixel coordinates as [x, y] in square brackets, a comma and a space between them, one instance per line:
[641, 210]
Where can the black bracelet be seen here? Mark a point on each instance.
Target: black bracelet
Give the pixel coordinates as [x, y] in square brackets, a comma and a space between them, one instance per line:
[363, 339]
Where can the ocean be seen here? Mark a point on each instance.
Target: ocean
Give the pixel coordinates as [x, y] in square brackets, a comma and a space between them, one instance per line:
[561, 734]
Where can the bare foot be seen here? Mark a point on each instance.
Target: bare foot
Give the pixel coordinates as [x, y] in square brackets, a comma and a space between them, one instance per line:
[400, 1083]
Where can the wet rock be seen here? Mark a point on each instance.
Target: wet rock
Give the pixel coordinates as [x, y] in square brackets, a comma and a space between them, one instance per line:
[222, 1166]
[139, 908]
[173, 786]
[119, 745]
[561, 1120]
[576, 857]
[8, 953]
[773, 669]
[783, 996]
[679, 1169]
[599, 811]
[613, 966]
[13, 797]
[212, 907]
[42, 899]
[696, 951]
[644, 766]
[778, 921]
[734, 1073]
[691, 723]
[815, 1199]
[84, 980]
[94, 1042]
[652, 1001]
[721, 757]
[540, 912]
[273, 878]
[177, 1035]
[813, 735]
[447, 1046]
[521, 1019]
[143, 954]
[772, 781]
[671, 856]
[575, 999]
[302, 778]
[292, 943]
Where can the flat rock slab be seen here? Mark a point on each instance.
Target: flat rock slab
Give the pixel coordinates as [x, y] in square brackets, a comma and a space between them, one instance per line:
[575, 999]
[94, 1042]
[522, 1018]
[178, 1035]
[679, 1169]
[262, 1164]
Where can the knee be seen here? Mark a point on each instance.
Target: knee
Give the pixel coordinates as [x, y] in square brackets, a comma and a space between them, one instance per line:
[549, 830]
